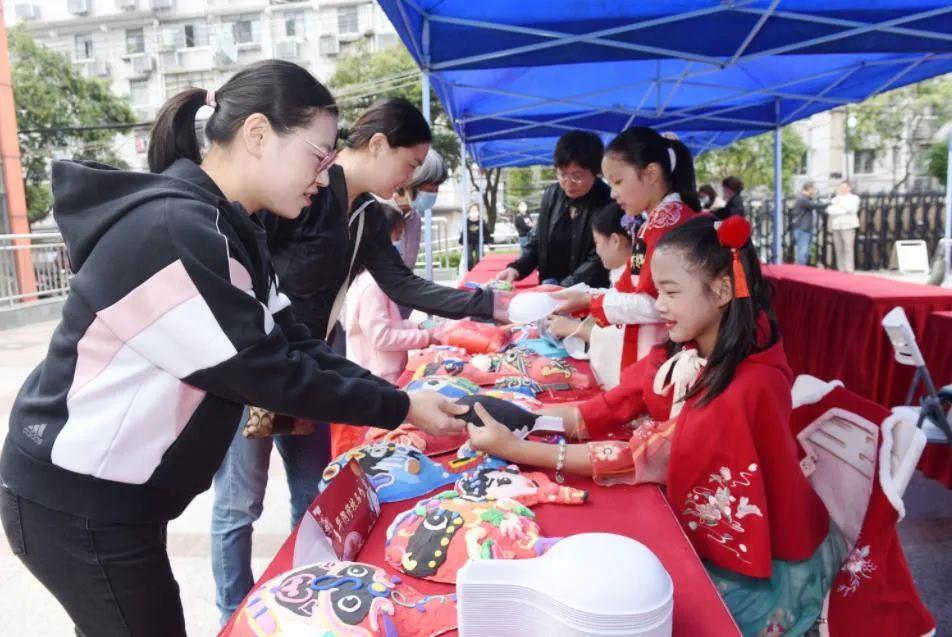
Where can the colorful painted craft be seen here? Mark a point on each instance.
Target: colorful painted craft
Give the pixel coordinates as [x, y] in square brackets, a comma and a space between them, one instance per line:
[407, 434]
[500, 286]
[530, 489]
[437, 536]
[343, 599]
[449, 386]
[524, 400]
[517, 385]
[399, 472]
[490, 369]
[436, 354]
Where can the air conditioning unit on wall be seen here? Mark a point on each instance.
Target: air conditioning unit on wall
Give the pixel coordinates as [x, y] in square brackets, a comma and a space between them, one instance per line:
[287, 50]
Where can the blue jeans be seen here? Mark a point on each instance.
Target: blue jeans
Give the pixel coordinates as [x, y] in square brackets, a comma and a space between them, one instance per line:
[802, 243]
[239, 494]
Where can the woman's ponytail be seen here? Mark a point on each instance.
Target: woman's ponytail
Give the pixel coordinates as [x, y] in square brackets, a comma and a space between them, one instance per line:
[173, 133]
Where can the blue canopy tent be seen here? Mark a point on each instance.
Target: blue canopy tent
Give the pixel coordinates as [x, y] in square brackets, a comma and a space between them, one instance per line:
[513, 76]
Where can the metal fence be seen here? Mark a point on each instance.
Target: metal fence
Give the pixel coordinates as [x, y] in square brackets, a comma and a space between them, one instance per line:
[883, 218]
[50, 267]
[52, 273]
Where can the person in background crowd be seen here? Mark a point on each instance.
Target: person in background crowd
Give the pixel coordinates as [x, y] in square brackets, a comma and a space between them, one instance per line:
[473, 222]
[562, 247]
[803, 222]
[843, 213]
[413, 200]
[732, 187]
[708, 198]
[524, 224]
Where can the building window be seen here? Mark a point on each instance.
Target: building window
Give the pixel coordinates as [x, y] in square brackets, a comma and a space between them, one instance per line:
[347, 22]
[294, 25]
[135, 41]
[84, 46]
[864, 161]
[139, 92]
[246, 30]
[178, 82]
[195, 35]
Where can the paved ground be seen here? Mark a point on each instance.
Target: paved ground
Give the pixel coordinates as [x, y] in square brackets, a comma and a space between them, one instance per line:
[27, 609]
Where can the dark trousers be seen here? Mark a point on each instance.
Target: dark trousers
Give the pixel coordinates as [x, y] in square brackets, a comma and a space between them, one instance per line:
[472, 255]
[112, 579]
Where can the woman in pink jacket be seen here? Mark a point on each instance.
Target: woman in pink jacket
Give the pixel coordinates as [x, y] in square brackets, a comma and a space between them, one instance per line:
[378, 338]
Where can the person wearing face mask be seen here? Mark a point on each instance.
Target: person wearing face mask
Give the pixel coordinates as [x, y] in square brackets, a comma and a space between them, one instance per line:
[316, 254]
[414, 199]
[524, 224]
[562, 248]
[708, 198]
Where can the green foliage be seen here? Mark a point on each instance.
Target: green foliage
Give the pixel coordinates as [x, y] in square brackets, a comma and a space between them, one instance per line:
[52, 96]
[527, 184]
[939, 161]
[362, 78]
[902, 120]
[751, 159]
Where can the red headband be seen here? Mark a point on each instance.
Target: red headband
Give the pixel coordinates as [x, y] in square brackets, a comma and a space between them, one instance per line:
[734, 233]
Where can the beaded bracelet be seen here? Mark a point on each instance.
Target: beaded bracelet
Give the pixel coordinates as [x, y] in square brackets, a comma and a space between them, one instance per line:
[560, 463]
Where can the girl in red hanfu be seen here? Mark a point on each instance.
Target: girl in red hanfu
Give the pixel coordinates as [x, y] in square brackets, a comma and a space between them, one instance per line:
[715, 405]
[647, 172]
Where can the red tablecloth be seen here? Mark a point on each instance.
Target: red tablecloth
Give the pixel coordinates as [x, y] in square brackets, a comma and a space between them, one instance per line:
[832, 326]
[494, 263]
[936, 345]
[640, 512]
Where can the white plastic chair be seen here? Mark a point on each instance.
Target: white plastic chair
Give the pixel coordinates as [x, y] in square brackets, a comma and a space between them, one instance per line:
[928, 415]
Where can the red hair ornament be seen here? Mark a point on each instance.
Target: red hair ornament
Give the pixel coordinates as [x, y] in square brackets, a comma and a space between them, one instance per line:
[733, 233]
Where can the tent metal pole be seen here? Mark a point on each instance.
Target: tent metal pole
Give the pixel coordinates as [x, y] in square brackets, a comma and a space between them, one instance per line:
[464, 200]
[840, 22]
[849, 33]
[948, 215]
[778, 188]
[428, 213]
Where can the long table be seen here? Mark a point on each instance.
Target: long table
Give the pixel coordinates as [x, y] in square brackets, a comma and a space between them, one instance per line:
[832, 327]
[492, 264]
[641, 512]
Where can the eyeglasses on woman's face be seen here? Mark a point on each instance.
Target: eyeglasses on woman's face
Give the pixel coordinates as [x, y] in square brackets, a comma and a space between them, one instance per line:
[325, 157]
[574, 177]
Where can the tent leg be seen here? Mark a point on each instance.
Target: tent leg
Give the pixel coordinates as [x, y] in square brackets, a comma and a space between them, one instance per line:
[947, 280]
[464, 199]
[428, 215]
[778, 198]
